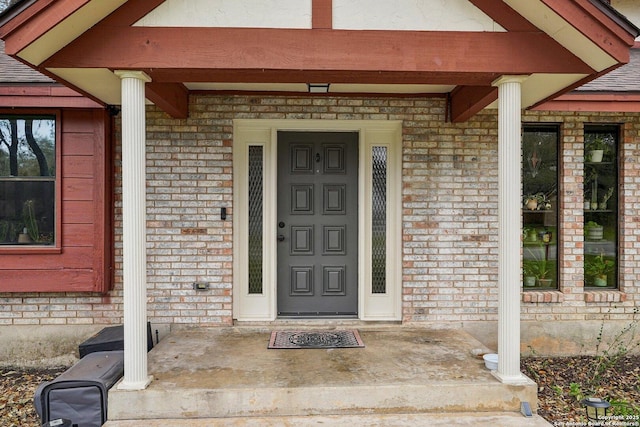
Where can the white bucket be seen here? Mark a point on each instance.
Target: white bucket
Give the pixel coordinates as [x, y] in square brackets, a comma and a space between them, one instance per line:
[491, 361]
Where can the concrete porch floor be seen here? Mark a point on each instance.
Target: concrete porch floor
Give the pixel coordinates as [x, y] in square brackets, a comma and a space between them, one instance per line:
[227, 376]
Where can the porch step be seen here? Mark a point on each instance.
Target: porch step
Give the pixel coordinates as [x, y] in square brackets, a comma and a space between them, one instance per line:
[270, 401]
[390, 420]
[231, 373]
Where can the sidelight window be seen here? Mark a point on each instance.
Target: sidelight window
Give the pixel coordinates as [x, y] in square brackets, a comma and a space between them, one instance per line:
[540, 207]
[601, 206]
[256, 191]
[379, 220]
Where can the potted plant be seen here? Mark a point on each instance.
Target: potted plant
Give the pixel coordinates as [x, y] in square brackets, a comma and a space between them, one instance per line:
[530, 202]
[537, 202]
[605, 199]
[596, 149]
[542, 272]
[31, 224]
[9, 231]
[537, 265]
[530, 234]
[593, 231]
[598, 267]
[528, 272]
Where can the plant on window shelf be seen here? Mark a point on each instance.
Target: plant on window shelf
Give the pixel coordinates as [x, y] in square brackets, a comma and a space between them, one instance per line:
[598, 267]
[529, 272]
[593, 231]
[596, 148]
[29, 217]
[5, 228]
[538, 266]
[605, 199]
[537, 202]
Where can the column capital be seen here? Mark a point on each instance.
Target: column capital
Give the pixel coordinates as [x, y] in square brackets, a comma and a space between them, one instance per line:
[133, 74]
[509, 79]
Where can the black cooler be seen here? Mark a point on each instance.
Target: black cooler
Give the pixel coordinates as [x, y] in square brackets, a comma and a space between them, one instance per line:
[111, 338]
[80, 393]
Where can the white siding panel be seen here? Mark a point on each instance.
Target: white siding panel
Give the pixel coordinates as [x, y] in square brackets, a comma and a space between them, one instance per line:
[230, 13]
[415, 15]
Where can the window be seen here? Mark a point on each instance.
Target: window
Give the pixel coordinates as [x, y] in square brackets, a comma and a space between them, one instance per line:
[256, 193]
[379, 220]
[600, 206]
[27, 179]
[539, 207]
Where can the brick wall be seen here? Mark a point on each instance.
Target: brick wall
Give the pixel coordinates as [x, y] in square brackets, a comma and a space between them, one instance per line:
[450, 188]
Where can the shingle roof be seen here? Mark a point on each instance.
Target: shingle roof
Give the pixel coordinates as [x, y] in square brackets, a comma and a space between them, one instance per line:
[12, 71]
[622, 79]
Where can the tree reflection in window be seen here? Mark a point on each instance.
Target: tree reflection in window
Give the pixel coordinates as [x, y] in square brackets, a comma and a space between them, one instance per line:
[27, 180]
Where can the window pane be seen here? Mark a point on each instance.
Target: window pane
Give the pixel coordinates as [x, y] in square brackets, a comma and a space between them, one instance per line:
[379, 221]
[540, 207]
[601, 206]
[27, 180]
[27, 212]
[27, 146]
[255, 219]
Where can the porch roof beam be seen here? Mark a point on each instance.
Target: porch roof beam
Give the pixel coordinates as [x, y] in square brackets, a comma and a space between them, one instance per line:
[333, 76]
[466, 101]
[312, 50]
[504, 15]
[172, 98]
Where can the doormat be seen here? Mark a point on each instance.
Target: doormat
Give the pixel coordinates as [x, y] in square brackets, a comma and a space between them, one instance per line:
[315, 339]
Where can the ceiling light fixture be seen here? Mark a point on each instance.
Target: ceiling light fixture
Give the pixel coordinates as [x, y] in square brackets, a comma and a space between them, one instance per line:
[318, 87]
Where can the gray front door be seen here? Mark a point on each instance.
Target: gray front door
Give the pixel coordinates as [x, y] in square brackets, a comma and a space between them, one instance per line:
[317, 224]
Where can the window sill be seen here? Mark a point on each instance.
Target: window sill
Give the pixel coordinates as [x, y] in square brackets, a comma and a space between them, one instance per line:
[29, 250]
[609, 295]
[550, 296]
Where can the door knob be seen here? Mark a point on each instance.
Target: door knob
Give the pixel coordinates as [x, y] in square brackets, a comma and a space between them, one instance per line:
[280, 238]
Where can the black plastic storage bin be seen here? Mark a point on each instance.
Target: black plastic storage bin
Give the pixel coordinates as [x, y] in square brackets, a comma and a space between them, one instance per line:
[111, 338]
[80, 393]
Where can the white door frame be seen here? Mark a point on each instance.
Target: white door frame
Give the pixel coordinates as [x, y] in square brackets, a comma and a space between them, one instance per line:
[374, 133]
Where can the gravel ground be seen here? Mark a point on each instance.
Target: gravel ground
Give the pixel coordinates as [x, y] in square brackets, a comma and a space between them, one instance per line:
[562, 382]
[17, 386]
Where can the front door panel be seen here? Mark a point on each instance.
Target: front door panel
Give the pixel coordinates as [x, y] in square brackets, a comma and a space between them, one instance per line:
[317, 223]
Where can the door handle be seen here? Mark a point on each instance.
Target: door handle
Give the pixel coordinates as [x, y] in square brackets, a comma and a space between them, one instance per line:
[280, 237]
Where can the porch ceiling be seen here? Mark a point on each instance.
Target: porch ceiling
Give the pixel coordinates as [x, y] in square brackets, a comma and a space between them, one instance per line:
[560, 44]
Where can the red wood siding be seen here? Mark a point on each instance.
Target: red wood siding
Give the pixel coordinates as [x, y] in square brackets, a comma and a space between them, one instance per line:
[83, 260]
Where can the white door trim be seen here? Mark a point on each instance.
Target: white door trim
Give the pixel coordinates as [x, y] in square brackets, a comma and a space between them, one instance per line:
[247, 132]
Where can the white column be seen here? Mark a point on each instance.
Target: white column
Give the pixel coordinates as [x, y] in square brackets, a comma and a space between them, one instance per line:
[134, 230]
[509, 229]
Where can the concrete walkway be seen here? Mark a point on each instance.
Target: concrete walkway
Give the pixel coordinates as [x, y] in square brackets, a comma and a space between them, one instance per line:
[403, 376]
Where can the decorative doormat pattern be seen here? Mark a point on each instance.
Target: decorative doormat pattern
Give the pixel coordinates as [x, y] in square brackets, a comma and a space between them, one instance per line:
[315, 339]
